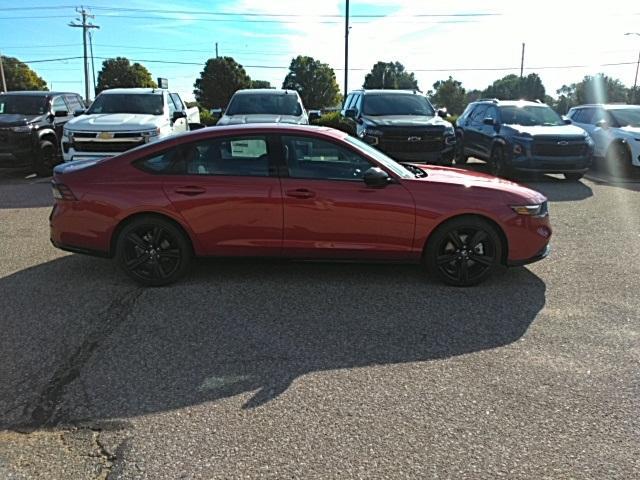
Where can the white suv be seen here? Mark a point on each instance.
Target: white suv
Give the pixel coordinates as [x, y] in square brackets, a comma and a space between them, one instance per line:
[615, 129]
[264, 105]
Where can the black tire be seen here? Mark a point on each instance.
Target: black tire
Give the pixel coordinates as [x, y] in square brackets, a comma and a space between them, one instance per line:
[463, 251]
[496, 162]
[459, 156]
[46, 159]
[153, 251]
[573, 177]
[618, 160]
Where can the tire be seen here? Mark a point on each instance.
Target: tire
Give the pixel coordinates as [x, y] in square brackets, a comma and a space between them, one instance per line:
[618, 160]
[573, 177]
[459, 156]
[46, 159]
[496, 162]
[450, 256]
[153, 251]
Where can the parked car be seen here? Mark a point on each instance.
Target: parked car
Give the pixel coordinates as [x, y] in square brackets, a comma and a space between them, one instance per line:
[295, 192]
[31, 126]
[264, 105]
[615, 129]
[520, 136]
[123, 118]
[401, 123]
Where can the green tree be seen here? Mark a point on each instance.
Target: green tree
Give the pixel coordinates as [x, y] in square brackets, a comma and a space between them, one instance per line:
[19, 76]
[592, 89]
[260, 84]
[472, 96]
[119, 72]
[390, 75]
[512, 87]
[449, 93]
[218, 81]
[314, 81]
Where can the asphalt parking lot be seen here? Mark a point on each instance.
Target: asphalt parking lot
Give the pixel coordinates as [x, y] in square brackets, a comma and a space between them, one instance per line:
[297, 370]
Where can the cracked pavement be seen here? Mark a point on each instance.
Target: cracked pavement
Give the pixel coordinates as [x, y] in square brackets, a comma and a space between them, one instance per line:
[269, 369]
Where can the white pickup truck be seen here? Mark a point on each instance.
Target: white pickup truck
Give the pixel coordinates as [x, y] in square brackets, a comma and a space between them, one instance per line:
[124, 118]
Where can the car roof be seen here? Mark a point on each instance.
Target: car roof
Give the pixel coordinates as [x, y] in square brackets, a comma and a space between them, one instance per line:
[273, 91]
[511, 103]
[387, 92]
[607, 106]
[37, 93]
[132, 90]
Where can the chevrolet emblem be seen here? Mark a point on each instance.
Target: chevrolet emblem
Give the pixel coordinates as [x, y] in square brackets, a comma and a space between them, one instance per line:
[414, 139]
[105, 135]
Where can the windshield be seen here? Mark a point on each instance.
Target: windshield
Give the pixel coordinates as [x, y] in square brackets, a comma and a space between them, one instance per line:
[146, 103]
[396, 104]
[23, 104]
[530, 115]
[267, 103]
[380, 157]
[628, 117]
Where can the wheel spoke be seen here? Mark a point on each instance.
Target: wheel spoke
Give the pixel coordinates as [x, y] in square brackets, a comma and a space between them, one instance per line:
[155, 236]
[135, 238]
[172, 253]
[455, 238]
[478, 237]
[463, 271]
[482, 259]
[444, 259]
[136, 262]
[158, 271]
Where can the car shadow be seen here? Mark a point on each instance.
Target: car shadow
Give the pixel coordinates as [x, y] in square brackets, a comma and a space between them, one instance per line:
[82, 344]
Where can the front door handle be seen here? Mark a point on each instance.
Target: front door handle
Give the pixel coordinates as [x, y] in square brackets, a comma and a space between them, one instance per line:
[190, 190]
[300, 193]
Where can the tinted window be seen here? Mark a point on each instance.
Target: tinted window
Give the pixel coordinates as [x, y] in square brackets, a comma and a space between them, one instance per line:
[146, 103]
[626, 116]
[396, 104]
[577, 115]
[238, 156]
[348, 101]
[530, 115]
[58, 105]
[312, 158]
[265, 103]
[492, 112]
[25, 104]
[478, 114]
[73, 103]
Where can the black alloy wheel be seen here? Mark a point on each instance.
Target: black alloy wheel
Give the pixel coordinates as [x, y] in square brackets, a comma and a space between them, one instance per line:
[496, 161]
[464, 251]
[153, 251]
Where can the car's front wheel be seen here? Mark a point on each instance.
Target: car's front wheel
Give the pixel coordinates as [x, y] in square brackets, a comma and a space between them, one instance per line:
[618, 160]
[153, 251]
[46, 159]
[463, 251]
[496, 161]
[459, 156]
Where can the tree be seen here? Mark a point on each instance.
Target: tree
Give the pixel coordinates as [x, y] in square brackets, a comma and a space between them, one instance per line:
[314, 81]
[120, 73]
[19, 76]
[218, 81]
[591, 89]
[512, 87]
[473, 95]
[390, 75]
[449, 93]
[260, 84]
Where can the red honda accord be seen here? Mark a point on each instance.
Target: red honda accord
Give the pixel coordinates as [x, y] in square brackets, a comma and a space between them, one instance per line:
[291, 192]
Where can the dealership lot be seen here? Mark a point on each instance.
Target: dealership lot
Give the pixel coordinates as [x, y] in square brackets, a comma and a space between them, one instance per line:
[270, 369]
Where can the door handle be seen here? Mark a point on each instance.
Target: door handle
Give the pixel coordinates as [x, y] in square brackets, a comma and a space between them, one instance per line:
[190, 190]
[300, 193]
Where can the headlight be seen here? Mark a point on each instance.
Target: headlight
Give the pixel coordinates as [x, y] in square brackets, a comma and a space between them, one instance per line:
[449, 131]
[372, 132]
[517, 149]
[151, 133]
[539, 210]
[589, 141]
[22, 128]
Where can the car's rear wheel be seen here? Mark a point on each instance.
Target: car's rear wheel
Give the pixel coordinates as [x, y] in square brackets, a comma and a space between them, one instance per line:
[618, 160]
[464, 251]
[496, 161]
[46, 159]
[153, 251]
[573, 177]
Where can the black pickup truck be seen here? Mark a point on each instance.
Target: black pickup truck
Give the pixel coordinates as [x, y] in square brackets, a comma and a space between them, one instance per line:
[31, 127]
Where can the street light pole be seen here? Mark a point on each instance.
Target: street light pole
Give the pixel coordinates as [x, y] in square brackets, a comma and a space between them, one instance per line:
[635, 82]
[346, 50]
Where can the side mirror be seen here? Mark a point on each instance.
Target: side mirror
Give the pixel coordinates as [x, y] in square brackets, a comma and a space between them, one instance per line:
[567, 121]
[79, 112]
[196, 126]
[442, 113]
[178, 114]
[376, 177]
[602, 124]
[60, 113]
[490, 121]
[313, 115]
[351, 113]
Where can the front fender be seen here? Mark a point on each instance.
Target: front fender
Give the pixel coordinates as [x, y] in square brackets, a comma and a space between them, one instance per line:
[44, 132]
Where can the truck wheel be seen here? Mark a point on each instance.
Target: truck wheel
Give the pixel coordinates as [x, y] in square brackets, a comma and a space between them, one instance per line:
[46, 159]
[618, 160]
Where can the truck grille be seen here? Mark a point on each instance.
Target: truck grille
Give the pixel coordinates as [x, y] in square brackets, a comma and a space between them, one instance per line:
[559, 147]
[106, 146]
[412, 140]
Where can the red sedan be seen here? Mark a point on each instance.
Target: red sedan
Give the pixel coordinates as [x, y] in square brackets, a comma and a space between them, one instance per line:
[290, 192]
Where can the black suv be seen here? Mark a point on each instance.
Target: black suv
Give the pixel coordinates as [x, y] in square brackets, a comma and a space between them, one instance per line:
[402, 124]
[517, 135]
[31, 127]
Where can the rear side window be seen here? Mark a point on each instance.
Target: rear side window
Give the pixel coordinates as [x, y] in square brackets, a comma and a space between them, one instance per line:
[237, 156]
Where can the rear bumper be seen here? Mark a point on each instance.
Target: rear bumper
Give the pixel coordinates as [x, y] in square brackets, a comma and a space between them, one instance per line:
[82, 250]
[544, 253]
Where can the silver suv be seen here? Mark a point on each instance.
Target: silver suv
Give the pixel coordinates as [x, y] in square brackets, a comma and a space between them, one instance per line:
[265, 106]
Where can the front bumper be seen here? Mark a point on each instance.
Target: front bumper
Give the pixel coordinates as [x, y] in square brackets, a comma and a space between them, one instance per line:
[544, 253]
[16, 149]
[551, 164]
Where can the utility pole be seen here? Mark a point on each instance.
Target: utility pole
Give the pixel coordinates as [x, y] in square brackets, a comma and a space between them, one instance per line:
[635, 82]
[346, 50]
[216, 49]
[4, 82]
[85, 28]
[93, 66]
[522, 62]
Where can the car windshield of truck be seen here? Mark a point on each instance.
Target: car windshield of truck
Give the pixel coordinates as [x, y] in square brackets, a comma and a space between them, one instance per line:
[269, 104]
[530, 115]
[394, 104]
[23, 104]
[144, 103]
[626, 117]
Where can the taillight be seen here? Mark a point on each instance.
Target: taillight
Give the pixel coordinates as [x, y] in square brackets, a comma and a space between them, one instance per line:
[62, 192]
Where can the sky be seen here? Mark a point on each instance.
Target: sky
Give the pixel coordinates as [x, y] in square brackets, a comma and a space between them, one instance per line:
[475, 41]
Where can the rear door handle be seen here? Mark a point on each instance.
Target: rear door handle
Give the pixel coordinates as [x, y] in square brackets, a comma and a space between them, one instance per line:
[300, 193]
[190, 190]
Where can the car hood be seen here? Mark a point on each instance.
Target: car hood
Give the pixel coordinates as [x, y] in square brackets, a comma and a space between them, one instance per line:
[261, 118]
[469, 179]
[17, 119]
[635, 131]
[404, 121]
[540, 130]
[115, 122]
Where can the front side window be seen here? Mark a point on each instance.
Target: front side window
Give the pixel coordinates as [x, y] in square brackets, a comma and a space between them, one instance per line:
[58, 105]
[318, 159]
[530, 115]
[478, 114]
[23, 104]
[265, 104]
[144, 103]
[237, 156]
[396, 104]
[626, 117]
[73, 103]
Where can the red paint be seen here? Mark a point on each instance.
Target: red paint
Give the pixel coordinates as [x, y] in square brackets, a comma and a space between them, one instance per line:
[273, 216]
